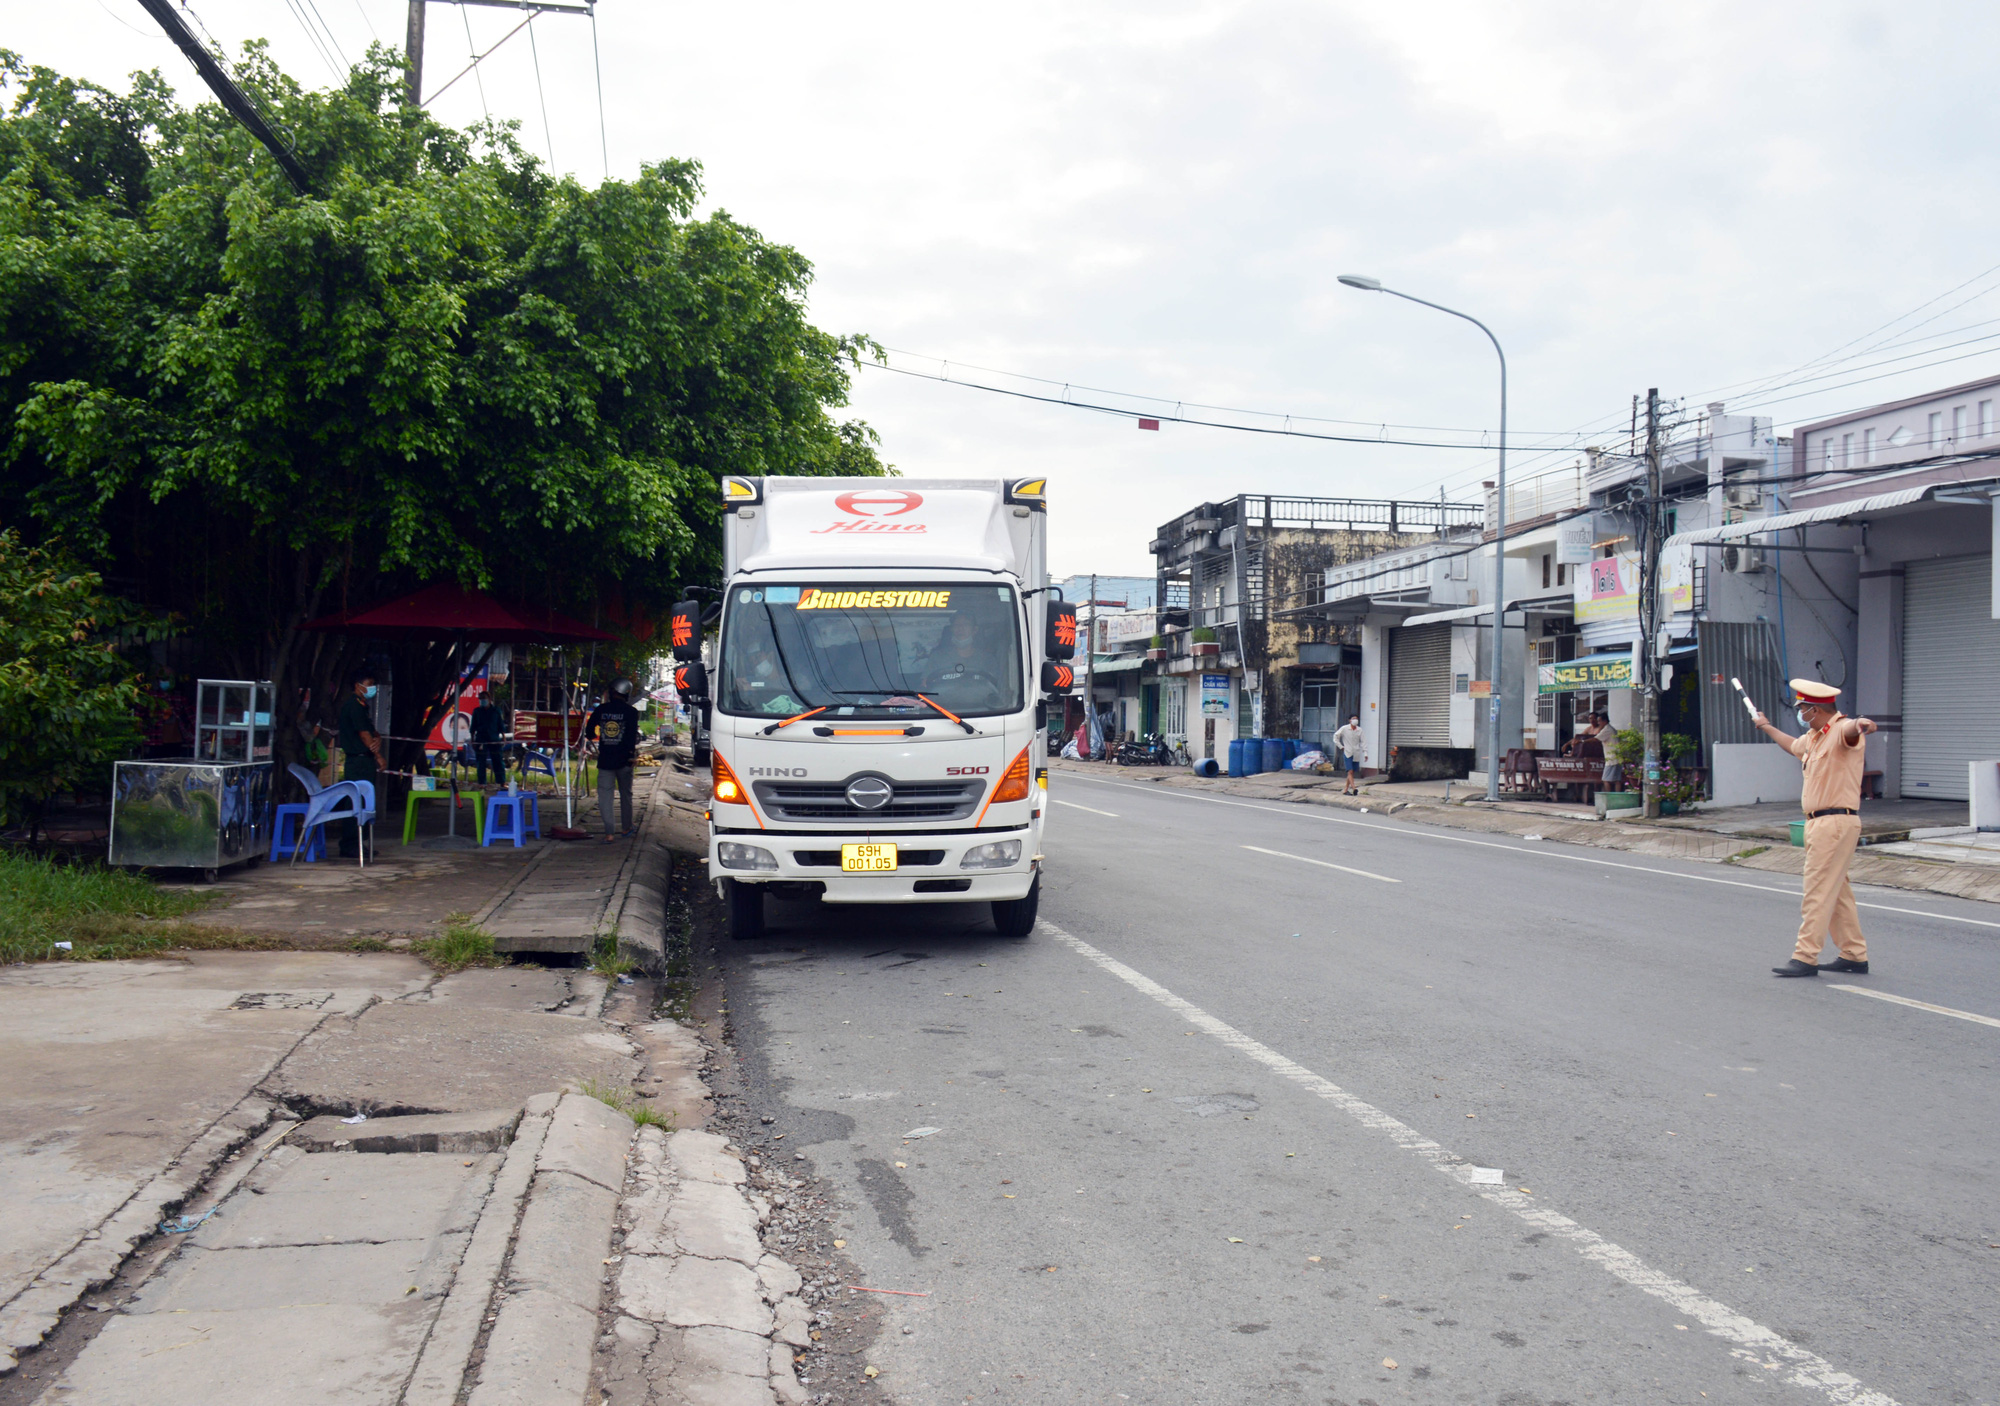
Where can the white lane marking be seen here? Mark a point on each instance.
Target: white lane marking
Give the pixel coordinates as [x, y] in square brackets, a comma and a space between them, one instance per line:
[1523, 849]
[1074, 806]
[1384, 878]
[1919, 1005]
[1754, 1342]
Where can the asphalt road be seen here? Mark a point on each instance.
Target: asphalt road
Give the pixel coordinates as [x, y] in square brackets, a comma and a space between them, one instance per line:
[1209, 1135]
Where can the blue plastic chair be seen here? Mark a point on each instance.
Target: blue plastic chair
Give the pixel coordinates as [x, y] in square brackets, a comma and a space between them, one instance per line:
[284, 840]
[531, 760]
[514, 805]
[343, 800]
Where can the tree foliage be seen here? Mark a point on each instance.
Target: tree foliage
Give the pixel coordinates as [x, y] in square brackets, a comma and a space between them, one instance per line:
[69, 702]
[250, 407]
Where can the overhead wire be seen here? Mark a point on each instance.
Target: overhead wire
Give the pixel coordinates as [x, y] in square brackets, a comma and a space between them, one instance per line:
[597, 65]
[312, 35]
[548, 133]
[472, 53]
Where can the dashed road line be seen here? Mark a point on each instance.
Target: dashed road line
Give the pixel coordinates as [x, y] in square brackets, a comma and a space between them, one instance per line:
[1111, 815]
[1918, 1005]
[1753, 1342]
[1541, 850]
[1324, 864]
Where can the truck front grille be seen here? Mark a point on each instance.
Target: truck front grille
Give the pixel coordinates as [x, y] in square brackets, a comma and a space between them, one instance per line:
[909, 800]
[830, 858]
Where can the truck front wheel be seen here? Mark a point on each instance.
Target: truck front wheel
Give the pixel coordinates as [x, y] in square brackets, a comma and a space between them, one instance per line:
[1015, 917]
[746, 910]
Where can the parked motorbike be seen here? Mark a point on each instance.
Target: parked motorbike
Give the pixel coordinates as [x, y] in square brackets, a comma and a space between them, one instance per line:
[1153, 751]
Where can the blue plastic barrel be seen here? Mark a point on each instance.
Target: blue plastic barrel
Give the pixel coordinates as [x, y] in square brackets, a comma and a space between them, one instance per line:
[1274, 754]
[1253, 755]
[1204, 766]
[1236, 757]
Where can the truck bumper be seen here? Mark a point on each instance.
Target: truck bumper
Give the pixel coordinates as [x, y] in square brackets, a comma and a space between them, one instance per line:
[801, 860]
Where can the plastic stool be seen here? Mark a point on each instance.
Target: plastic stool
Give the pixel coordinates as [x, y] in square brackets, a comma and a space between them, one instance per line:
[495, 829]
[531, 822]
[283, 844]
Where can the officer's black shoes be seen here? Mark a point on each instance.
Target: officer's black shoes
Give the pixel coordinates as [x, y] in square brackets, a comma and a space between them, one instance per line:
[1843, 964]
[1795, 968]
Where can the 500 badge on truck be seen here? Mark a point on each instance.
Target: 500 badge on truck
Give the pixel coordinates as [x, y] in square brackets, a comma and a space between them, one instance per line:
[967, 770]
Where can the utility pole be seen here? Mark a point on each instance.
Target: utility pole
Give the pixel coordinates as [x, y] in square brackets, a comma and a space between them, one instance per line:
[233, 98]
[1649, 609]
[1090, 671]
[413, 50]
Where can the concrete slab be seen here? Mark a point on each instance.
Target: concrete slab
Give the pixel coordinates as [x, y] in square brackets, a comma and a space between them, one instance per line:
[538, 1353]
[324, 1353]
[503, 988]
[693, 1293]
[327, 1199]
[713, 1220]
[699, 1156]
[564, 1237]
[490, 1130]
[284, 1276]
[427, 1058]
[588, 1139]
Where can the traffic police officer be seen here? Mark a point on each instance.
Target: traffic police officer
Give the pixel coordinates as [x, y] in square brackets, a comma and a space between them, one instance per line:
[1832, 752]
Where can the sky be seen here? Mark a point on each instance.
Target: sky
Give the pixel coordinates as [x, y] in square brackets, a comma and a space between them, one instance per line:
[1786, 207]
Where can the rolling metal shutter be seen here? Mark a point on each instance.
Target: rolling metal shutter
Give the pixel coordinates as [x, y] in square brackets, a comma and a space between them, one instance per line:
[1951, 674]
[1420, 686]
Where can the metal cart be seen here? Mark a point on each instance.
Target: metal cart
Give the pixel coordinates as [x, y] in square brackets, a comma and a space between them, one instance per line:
[210, 811]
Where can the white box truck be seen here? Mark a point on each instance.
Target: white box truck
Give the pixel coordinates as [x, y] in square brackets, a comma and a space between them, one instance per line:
[877, 693]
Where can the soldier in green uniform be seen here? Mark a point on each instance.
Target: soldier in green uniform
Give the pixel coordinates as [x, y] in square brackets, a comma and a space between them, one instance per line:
[361, 745]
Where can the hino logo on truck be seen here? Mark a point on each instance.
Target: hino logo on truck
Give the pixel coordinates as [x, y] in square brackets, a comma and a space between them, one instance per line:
[775, 770]
[872, 503]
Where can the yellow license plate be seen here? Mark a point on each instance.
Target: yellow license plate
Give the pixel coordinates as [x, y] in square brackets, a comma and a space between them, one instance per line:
[868, 859]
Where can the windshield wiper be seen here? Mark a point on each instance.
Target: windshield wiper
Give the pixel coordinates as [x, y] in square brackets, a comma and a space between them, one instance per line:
[953, 716]
[796, 718]
[933, 703]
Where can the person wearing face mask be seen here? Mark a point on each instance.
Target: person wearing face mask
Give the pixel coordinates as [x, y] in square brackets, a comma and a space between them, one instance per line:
[1833, 756]
[361, 746]
[1347, 742]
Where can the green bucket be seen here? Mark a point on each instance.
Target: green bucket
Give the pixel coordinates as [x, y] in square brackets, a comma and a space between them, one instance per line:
[1799, 834]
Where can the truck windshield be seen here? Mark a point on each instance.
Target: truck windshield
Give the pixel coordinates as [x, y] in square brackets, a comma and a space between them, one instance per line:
[868, 651]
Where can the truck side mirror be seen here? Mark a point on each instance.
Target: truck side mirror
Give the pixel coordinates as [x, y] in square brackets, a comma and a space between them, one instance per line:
[686, 635]
[691, 679]
[1061, 642]
[1058, 678]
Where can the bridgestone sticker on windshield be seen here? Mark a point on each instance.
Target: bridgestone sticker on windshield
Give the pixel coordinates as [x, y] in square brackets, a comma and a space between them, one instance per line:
[815, 598]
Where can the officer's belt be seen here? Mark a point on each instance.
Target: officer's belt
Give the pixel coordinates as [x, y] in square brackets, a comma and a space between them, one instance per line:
[1830, 810]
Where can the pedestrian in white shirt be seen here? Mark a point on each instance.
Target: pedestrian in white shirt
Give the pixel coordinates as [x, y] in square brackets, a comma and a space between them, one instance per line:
[1348, 741]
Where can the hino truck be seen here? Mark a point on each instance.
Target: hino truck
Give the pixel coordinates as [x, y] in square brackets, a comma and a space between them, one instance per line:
[877, 693]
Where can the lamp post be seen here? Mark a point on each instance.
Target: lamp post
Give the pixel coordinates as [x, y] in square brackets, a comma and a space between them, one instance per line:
[1374, 285]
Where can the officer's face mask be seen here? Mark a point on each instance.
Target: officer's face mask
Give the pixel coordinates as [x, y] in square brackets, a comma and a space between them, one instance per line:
[368, 692]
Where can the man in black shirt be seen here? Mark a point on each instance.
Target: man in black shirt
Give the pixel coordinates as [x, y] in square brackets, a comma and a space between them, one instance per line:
[486, 750]
[614, 724]
[361, 746]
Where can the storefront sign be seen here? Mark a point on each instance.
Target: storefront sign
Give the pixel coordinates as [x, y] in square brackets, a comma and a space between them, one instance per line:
[1482, 688]
[1587, 675]
[1129, 625]
[1608, 587]
[1215, 695]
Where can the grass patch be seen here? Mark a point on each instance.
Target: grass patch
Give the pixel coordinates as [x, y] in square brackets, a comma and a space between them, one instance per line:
[368, 944]
[624, 1101]
[1750, 853]
[101, 913]
[605, 961]
[459, 946]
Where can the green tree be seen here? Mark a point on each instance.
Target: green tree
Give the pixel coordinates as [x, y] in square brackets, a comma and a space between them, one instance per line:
[69, 702]
[252, 408]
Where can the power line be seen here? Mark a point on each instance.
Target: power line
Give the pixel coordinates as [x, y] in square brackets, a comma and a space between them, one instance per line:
[312, 35]
[313, 5]
[548, 134]
[472, 52]
[597, 66]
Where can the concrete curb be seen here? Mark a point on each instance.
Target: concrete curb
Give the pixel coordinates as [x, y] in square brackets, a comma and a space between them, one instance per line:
[538, 1352]
[639, 910]
[702, 1313]
[448, 1351]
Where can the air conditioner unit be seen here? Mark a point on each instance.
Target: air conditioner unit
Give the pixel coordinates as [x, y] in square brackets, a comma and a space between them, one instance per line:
[1744, 496]
[1741, 559]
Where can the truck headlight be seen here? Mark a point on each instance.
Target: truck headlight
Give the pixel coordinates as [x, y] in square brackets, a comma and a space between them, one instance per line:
[1001, 854]
[734, 856]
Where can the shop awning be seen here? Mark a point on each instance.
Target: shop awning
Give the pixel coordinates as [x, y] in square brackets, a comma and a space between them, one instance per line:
[1534, 605]
[1832, 512]
[1115, 664]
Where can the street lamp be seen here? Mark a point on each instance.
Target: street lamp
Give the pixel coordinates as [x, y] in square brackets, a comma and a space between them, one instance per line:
[1374, 285]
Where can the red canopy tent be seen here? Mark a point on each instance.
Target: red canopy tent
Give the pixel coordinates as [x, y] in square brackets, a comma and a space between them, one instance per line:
[448, 611]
